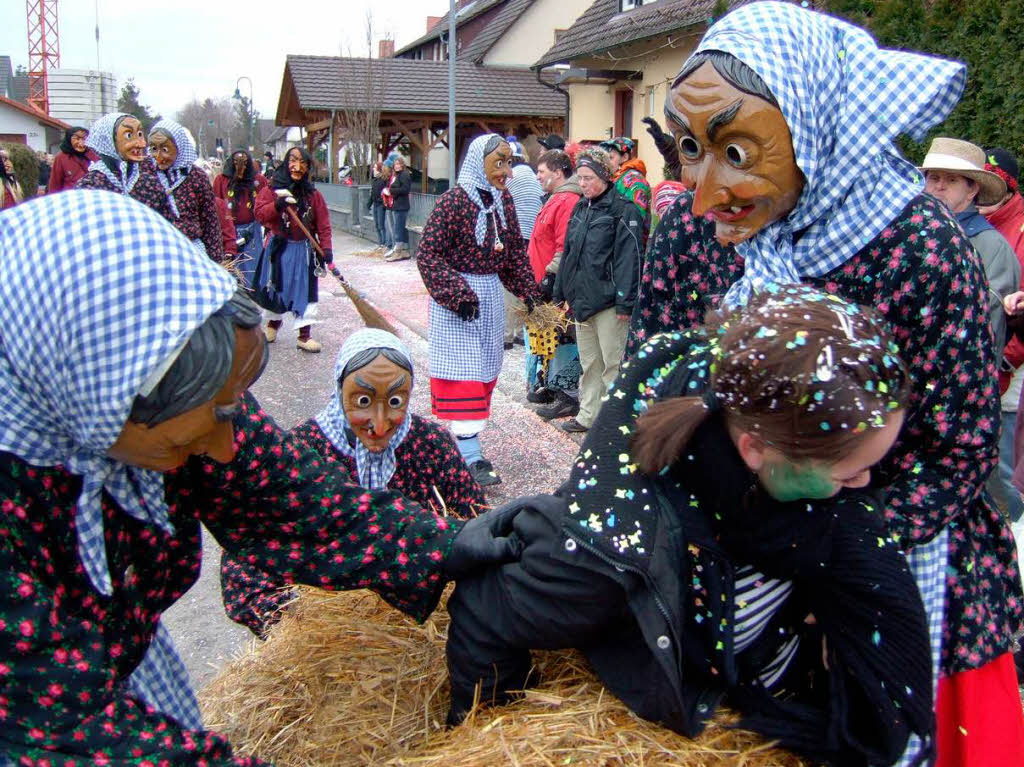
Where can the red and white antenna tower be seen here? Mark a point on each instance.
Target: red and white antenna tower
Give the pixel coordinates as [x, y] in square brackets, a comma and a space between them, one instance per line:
[43, 50]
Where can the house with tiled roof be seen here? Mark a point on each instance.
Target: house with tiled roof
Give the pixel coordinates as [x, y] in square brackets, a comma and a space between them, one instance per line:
[619, 59]
[497, 89]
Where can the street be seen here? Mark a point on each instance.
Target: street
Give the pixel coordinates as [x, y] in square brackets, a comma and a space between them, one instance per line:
[532, 455]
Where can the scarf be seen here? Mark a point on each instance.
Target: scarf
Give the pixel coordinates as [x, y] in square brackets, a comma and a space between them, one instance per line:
[122, 174]
[187, 155]
[66, 145]
[973, 222]
[374, 470]
[473, 180]
[845, 101]
[67, 382]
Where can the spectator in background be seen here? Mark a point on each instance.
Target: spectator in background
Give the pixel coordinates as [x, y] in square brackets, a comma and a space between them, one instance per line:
[269, 166]
[376, 206]
[45, 164]
[553, 363]
[553, 141]
[629, 174]
[1007, 216]
[954, 172]
[526, 196]
[398, 190]
[73, 160]
[12, 194]
[237, 186]
[598, 278]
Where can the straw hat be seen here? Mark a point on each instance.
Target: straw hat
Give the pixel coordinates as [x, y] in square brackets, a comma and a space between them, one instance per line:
[965, 159]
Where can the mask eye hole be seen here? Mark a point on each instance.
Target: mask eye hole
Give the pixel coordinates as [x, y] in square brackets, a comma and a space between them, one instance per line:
[363, 400]
[396, 401]
[689, 147]
[736, 155]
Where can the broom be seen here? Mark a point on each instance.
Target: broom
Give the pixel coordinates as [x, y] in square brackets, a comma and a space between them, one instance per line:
[371, 317]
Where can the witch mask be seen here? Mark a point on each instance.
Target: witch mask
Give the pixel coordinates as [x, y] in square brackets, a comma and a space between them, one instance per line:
[736, 153]
[375, 399]
[130, 140]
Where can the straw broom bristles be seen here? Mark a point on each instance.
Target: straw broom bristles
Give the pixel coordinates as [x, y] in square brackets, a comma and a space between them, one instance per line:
[545, 316]
[344, 679]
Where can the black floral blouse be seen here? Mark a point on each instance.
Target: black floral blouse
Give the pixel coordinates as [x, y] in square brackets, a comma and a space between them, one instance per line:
[148, 190]
[66, 650]
[426, 459]
[197, 212]
[923, 276]
[448, 246]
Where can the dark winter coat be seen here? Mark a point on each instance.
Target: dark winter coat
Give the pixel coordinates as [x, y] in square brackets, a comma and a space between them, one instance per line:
[400, 189]
[672, 544]
[601, 260]
[377, 185]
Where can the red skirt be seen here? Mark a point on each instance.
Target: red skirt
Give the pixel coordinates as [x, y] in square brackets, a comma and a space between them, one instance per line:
[461, 400]
[978, 717]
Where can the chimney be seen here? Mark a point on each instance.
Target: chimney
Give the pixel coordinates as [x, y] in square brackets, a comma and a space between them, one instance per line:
[432, 21]
[386, 49]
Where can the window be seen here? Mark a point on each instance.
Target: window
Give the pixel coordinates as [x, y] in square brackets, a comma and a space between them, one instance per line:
[623, 113]
[628, 5]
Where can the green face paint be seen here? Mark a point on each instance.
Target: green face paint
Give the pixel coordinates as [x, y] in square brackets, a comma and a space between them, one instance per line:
[787, 481]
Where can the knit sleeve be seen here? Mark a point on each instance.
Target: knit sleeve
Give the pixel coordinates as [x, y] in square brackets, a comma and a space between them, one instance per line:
[284, 509]
[443, 283]
[266, 213]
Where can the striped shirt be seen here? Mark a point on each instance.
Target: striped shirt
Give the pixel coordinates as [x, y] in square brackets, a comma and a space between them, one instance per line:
[526, 196]
[757, 599]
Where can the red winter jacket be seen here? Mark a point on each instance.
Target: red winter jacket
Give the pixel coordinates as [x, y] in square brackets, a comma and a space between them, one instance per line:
[548, 237]
[227, 228]
[68, 168]
[1009, 222]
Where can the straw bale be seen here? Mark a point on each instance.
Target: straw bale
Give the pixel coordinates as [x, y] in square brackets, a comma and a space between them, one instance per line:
[344, 679]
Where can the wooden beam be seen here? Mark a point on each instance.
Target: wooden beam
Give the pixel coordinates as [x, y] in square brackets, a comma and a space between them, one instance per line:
[319, 125]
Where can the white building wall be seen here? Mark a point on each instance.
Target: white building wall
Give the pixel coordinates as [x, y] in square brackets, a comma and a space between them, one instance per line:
[81, 96]
[17, 123]
[533, 33]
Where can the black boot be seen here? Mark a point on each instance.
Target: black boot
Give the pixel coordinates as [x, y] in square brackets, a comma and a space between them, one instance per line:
[563, 407]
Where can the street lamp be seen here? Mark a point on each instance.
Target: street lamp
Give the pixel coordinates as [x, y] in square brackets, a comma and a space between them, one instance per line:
[238, 97]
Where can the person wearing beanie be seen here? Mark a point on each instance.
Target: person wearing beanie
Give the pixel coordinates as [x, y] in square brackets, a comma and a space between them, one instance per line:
[629, 173]
[598, 278]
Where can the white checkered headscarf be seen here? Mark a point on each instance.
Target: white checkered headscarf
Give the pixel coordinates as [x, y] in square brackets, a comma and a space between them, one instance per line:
[101, 141]
[374, 470]
[472, 179]
[96, 292]
[186, 158]
[845, 101]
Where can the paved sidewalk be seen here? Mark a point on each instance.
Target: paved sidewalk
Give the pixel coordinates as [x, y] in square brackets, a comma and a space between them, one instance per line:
[532, 455]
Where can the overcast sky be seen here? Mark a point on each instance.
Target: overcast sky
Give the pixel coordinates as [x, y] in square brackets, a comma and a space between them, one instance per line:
[183, 48]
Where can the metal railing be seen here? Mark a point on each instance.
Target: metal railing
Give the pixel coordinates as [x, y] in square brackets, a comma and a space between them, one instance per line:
[349, 212]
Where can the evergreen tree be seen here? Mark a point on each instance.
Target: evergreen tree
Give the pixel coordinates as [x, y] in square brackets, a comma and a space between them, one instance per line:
[128, 102]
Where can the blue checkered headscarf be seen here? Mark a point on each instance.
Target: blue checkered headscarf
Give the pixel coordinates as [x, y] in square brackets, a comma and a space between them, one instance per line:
[97, 292]
[845, 101]
[186, 158]
[374, 470]
[473, 179]
[101, 141]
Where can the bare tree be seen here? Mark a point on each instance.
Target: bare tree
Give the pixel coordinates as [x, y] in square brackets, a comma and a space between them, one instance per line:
[211, 120]
[364, 83]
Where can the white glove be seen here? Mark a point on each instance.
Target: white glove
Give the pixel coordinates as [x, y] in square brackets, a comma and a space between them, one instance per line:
[286, 195]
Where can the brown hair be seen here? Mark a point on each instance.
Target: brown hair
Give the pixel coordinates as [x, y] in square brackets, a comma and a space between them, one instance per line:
[556, 159]
[807, 372]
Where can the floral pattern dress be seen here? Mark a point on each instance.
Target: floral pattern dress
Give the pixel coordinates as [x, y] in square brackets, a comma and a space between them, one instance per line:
[428, 464]
[66, 650]
[197, 213]
[147, 189]
[922, 275]
[448, 246]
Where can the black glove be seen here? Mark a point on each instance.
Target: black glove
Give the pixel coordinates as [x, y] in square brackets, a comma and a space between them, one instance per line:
[666, 145]
[529, 303]
[486, 540]
[468, 311]
[280, 203]
[547, 286]
[328, 256]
